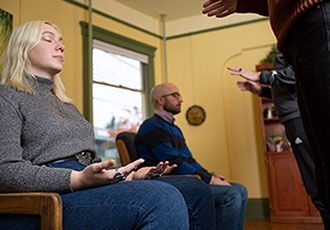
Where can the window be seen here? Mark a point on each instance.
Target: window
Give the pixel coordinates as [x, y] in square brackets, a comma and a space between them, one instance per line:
[116, 95]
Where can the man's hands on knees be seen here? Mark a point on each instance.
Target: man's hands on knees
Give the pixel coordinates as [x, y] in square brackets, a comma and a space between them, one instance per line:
[219, 180]
[98, 174]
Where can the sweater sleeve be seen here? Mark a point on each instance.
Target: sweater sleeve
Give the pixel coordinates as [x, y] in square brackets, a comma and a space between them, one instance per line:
[165, 152]
[16, 173]
[252, 6]
[282, 73]
[158, 143]
[266, 92]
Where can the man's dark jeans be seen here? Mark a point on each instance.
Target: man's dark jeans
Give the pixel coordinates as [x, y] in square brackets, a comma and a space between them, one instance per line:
[308, 50]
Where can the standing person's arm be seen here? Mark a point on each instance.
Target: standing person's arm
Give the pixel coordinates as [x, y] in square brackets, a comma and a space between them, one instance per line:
[250, 84]
[283, 71]
[253, 87]
[223, 8]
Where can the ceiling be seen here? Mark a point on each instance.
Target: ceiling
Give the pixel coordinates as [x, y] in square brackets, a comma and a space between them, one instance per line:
[174, 9]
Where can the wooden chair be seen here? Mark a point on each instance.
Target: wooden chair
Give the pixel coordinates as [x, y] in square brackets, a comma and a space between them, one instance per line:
[125, 142]
[47, 205]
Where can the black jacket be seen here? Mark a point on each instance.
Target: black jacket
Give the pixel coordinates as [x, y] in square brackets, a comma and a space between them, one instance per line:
[282, 91]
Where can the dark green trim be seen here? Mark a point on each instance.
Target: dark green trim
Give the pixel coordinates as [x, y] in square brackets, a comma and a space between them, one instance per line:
[113, 18]
[257, 208]
[121, 41]
[159, 36]
[87, 79]
[216, 28]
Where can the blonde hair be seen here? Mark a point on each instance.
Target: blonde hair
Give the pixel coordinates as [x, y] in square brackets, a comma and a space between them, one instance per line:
[16, 70]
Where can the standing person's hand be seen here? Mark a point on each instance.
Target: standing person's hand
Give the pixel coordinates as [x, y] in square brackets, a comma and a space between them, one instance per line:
[250, 86]
[248, 75]
[219, 8]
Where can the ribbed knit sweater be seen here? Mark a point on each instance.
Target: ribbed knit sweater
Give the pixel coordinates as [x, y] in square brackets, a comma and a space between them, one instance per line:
[32, 133]
[157, 140]
[282, 13]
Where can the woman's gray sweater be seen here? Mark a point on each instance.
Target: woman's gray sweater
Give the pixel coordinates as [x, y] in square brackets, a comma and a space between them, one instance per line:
[32, 133]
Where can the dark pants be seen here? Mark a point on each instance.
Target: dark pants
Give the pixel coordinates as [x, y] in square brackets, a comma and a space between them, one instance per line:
[296, 135]
[309, 53]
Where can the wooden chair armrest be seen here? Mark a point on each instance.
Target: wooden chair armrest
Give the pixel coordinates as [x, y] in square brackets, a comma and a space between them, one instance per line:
[47, 205]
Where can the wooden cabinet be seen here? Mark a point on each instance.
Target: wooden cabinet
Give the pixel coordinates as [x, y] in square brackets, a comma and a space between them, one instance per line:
[288, 200]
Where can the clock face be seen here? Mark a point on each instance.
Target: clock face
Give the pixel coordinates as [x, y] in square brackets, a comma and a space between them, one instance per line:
[195, 115]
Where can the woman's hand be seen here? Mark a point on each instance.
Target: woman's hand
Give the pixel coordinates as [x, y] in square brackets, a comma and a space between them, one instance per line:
[98, 174]
[152, 172]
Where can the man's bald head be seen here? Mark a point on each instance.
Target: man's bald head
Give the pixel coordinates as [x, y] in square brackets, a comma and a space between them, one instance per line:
[161, 90]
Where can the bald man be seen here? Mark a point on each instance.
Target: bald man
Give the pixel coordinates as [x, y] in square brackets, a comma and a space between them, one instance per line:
[159, 139]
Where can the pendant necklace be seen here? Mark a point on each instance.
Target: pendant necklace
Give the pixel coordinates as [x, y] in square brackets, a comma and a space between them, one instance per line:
[58, 106]
[59, 110]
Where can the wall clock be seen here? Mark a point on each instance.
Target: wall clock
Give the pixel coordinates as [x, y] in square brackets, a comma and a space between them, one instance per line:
[195, 115]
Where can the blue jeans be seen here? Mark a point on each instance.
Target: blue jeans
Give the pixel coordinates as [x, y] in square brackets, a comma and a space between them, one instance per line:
[128, 205]
[197, 196]
[230, 205]
[308, 50]
[199, 200]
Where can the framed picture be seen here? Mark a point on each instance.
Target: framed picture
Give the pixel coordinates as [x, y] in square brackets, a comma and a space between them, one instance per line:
[6, 24]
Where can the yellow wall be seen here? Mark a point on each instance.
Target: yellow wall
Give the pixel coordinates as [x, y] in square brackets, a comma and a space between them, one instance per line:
[229, 141]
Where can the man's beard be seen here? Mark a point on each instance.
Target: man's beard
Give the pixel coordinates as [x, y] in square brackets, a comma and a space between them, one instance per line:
[172, 109]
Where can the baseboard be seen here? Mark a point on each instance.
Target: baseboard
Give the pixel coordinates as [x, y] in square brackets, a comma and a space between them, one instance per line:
[257, 208]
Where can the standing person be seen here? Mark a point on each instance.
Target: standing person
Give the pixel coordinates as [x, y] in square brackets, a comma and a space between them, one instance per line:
[159, 139]
[303, 36]
[46, 145]
[282, 91]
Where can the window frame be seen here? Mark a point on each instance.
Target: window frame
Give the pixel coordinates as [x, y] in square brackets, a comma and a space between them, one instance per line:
[120, 41]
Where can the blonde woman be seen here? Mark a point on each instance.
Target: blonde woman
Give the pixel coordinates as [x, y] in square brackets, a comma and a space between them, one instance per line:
[46, 145]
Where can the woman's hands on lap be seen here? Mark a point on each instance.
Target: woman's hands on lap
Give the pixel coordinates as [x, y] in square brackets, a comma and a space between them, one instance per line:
[98, 174]
[151, 172]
